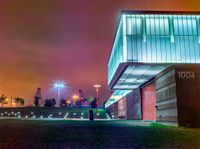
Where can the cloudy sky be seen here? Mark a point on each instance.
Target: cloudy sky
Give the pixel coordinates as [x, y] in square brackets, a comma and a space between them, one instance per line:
[42, 41]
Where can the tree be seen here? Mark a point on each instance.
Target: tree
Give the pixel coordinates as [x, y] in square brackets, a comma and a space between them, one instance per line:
[63, 103]
[3, 100]
[50, 102]
[19, 101]
[90, 99]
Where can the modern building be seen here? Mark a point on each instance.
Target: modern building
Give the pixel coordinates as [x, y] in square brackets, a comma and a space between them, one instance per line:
[153, 68]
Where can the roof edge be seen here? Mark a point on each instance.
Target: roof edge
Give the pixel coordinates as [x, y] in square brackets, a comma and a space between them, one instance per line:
[159, 12]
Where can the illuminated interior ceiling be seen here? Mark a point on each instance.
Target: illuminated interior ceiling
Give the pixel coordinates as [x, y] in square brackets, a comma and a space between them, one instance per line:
[136, 75]
[116, 96]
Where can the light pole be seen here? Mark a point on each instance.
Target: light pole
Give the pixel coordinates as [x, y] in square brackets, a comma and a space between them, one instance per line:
[97, 86]
[59, 86]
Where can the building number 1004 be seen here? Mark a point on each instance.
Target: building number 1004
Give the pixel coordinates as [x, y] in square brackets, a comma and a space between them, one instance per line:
[186, 75]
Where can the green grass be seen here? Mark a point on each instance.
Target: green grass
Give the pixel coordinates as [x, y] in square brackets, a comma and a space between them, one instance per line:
[157, 125]
[16, 134]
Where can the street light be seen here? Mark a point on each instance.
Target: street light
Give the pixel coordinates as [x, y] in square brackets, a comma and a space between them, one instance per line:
[59, 86]
[97, 86]
[75, 97]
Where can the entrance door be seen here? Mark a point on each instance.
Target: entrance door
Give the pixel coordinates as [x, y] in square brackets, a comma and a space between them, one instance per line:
[149, 102]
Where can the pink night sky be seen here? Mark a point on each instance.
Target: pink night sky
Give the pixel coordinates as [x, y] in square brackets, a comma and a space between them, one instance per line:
[42, 41]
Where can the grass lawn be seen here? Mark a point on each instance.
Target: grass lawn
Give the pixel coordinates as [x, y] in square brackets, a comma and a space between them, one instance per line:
[25, 134]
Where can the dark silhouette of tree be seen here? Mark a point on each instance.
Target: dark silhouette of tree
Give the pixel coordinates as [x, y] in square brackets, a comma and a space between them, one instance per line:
[53, 100]
[50, 102]
[3, 100]
[19, 101]
[63, 103]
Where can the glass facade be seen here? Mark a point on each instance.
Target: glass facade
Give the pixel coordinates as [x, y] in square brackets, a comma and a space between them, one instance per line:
[155, 38]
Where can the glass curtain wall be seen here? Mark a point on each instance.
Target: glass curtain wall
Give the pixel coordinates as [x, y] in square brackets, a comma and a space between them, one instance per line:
[157, 38]
[116, 56]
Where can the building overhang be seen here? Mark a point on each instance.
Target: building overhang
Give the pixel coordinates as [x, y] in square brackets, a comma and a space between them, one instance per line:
[116, 96]
[130, 75]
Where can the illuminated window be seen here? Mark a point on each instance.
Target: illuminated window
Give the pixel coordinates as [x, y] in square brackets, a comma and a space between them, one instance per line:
[134, 26]
[185, 26]
[157, 26]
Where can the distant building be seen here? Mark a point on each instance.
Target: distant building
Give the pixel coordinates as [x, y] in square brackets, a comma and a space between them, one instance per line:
[154, 68]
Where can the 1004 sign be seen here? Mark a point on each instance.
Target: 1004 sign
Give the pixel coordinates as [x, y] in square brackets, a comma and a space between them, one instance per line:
[186, 75]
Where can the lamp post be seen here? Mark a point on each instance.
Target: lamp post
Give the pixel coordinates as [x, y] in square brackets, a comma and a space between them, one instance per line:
[97, 86]
[59, 86]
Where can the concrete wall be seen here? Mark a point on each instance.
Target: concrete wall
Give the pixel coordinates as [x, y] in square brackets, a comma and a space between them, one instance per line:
[188, 95]
[122, 108]
[133, 104]
[49, 112]
[166, 100]
[178, 95]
